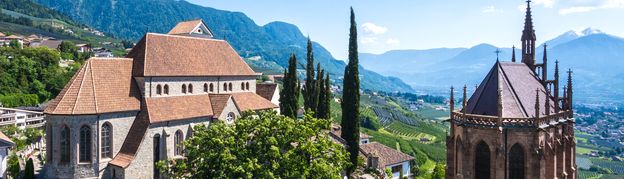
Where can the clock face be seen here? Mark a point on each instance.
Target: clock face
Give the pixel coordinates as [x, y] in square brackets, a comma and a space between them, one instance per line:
[230, 118]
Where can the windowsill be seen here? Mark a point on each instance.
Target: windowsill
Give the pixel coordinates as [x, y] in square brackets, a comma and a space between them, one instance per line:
[178, 157]
[106, 159]
[85, 163]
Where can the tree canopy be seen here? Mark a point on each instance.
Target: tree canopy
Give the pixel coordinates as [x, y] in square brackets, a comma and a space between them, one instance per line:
[266, 145]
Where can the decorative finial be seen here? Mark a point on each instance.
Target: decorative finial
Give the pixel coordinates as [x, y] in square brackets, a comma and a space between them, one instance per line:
[513, 54]
[452, 100]
[497, 52]
[547, 103]
[464, 101]
[537, 103]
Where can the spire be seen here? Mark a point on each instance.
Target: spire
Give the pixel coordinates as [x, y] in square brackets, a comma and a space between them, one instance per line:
[452, 101]
[564, 100]
[497, 53]
[513, 54]
[464, 101]
[569, 89]
[547, 103]
[528, 39]
[556, 86]
[545, 67]
[537, 106]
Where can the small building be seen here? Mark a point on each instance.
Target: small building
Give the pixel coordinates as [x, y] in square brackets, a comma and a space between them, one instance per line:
[269, 91]
[381, 157]
[83, 48]
[102, 52]
[6, 40]
[21, 118]
[52, 44]
[5, 146]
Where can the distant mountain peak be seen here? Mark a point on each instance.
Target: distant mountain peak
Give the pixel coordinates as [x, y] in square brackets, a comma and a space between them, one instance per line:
[590, 31]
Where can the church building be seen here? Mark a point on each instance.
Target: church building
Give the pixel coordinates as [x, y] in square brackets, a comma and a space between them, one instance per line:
[517, 124]
[117, 117]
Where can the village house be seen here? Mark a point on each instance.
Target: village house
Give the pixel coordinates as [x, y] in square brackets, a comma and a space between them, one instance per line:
[117, 117]
[21, 118]
[378, 156]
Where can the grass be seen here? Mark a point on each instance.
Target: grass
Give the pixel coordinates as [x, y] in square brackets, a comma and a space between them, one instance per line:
[426, 169]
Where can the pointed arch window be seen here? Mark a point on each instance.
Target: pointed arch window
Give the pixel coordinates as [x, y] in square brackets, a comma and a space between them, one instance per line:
[242, 85]
[158, 89]
[179, 147]
[65, 144]
[482, 161]
[247, 85]
[107, 140]
[156, 150]
[224, 86]
[184, 88]
[85, 144]
[516, 162]
[166, 89]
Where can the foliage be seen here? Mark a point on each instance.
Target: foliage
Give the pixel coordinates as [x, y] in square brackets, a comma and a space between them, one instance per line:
[22, 137]
[13, 166]
[30, 71]
[263, 146]
[325, 97]
[438, 171]
[15, 44]
[29, 172]
[290, 93]
[388, 172]
[33, 9]
[351, 98]
[310, 94]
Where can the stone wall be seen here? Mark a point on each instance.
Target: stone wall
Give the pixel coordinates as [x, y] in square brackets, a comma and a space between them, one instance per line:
[175, 85]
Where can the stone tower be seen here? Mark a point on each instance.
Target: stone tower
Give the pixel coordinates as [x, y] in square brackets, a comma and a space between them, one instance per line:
[514, 125]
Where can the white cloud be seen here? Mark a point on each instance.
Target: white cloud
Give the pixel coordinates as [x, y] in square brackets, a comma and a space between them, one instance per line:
[368, 40]
[394, 42]
[491, 9]
[373, 29]
[545, 3]
[603, 4]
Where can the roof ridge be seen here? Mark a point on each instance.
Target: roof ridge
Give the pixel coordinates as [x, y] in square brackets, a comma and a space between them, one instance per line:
[513, 90]
[188, 37]
[93, 85]
[84, 67]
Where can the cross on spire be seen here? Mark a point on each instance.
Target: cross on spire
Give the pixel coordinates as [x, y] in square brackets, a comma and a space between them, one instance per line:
[498, 51]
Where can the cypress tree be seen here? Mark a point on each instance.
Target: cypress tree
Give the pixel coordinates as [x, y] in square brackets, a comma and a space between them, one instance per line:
[290, 94]
[320, 91]
[29, 172]
[310, 96]
[324, 99]
[351, 99]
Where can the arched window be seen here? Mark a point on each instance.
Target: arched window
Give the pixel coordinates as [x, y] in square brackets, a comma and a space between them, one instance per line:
[205, 87]
[482, 161]
[85, 144]
[190, 88]
[158, 89]
[247, 85]
[156, 150]
[516, 162]
[65, 144]
[183, 88]
[107, 141]
[230, 117]
[211, 87]
[224, 86]
[177, 142]
[166, 89]
[242, 85]
[230, 87]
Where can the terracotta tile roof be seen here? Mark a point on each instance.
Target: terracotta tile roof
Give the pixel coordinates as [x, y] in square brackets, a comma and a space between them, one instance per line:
[6, 139]
[336, 131]
[219, 101]
[387, 156]
[102, 85]
[162, 109]
[133, 140]
[266, 90]
[518, 84]
[251, 101]
[53, 44]
[14, 37]
[185, 27]
[171, 55]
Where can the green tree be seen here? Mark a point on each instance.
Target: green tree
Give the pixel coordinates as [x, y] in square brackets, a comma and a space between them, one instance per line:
[13, 167]
[67, 47]
[29, 172]
[438, 171]
[310, 94]
[351, 99]
[290, 94]
[263, 146]
[318, 88]
[325, 97]
[15, 44]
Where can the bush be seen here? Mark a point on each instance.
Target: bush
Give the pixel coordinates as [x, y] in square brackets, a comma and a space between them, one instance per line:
[13, 166]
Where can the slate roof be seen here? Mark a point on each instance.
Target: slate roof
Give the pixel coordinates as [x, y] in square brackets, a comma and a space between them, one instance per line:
[102, 85]
[518, 84]
[163, 109]
[219, 101]
[387, 156]
[266, 90]
[251, 101]
[193, 56]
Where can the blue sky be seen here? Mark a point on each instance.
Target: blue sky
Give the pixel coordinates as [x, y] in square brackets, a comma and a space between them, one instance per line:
[424, 24]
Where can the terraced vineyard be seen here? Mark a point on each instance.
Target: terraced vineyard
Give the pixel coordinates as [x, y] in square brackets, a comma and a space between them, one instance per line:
[409, 132]
[614, 166]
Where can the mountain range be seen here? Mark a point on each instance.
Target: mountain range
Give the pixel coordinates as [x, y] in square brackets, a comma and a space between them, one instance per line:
[268, 45]
[595, 57]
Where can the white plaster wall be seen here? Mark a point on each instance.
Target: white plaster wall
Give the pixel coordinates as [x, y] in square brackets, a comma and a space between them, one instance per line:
[175, 85]
[406, 170]
[230, 107]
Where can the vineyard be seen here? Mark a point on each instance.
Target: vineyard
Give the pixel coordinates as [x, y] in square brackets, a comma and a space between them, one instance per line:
[409, 132]
[615, 167]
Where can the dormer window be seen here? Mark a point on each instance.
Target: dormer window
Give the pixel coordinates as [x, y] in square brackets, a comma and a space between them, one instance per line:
[184, 88]
[199, 31]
